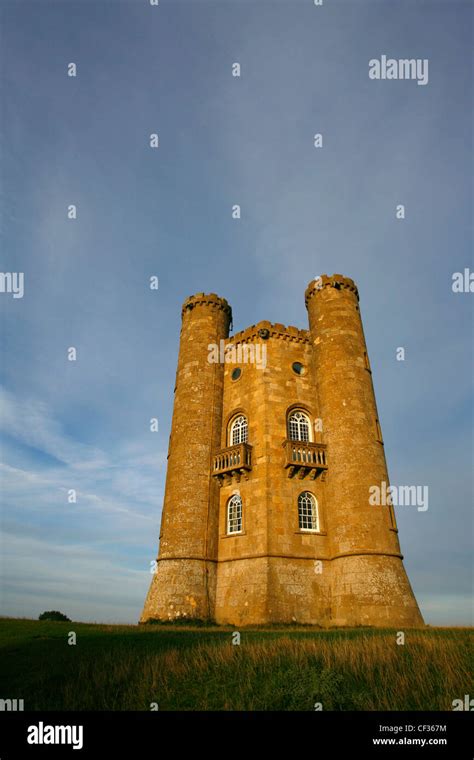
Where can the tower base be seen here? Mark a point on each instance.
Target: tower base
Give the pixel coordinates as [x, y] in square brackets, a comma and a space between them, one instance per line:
[180, 589]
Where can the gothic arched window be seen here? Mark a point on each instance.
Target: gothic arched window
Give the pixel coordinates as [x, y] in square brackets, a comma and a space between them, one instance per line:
[234, 514]
[308, 516]
[299, 427]
[238, 430]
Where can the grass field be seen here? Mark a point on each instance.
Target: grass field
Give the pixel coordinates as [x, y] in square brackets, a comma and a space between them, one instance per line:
[114, 667]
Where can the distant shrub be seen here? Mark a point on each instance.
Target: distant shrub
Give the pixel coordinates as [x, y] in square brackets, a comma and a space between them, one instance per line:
[54, 615]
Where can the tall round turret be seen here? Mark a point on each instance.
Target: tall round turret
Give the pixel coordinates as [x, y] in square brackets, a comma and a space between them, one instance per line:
[369, 585]
[185, 578]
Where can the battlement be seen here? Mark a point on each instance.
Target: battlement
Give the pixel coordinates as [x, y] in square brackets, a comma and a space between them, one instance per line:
[206, 299]
[330, 281]
[265, 330]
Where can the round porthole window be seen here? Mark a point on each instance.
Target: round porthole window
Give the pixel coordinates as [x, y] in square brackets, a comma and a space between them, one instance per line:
[236, 373]
[298, 368]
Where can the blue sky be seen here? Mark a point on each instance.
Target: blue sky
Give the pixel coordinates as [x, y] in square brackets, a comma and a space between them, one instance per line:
[167, 212]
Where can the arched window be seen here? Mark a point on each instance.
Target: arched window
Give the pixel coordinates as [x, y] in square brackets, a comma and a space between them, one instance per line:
[238, 430]
[299, 427]
[234, 514]
[308, 512]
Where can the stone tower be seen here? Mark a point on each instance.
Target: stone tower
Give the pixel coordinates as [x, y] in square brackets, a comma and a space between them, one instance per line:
[275, 445]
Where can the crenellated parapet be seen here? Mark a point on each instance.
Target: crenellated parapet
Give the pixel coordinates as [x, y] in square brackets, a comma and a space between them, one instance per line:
[206, 299]
[337, 281]
[265, 330]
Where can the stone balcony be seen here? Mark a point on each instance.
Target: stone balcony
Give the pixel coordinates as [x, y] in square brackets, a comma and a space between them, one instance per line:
[232, 462]
[305, 459]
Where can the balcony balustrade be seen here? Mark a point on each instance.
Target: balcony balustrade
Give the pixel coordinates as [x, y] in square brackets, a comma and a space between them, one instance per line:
[305, 459]
[233, 461]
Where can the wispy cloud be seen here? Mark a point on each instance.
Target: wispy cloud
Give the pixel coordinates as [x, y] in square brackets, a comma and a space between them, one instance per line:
[55, 548]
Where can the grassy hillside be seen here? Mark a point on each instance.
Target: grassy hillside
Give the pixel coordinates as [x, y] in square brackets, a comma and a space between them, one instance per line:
[115, 667]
